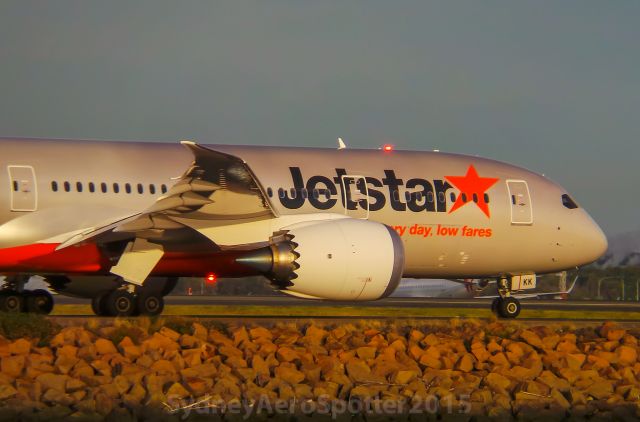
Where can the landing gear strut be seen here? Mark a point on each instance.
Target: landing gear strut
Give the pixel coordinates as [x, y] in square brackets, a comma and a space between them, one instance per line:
[505, 306]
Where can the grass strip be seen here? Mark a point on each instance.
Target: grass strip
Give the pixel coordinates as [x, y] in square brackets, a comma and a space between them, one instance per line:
[353, 311]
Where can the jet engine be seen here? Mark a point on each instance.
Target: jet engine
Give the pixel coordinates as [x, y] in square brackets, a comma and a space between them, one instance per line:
[345, 259]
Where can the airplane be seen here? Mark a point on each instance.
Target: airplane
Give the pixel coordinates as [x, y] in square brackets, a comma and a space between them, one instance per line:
[118, 222]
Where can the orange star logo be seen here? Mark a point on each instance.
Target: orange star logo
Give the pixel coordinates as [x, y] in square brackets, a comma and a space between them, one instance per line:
[472, 189]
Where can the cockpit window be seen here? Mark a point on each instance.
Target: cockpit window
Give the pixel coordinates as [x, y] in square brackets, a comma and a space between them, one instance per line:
[568, 202]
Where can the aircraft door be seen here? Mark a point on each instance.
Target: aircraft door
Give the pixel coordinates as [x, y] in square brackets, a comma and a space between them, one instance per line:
[355, 196]
[520, 200]
[22, 185]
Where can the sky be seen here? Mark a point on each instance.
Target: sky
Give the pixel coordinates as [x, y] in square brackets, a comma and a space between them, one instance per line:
[551, 86]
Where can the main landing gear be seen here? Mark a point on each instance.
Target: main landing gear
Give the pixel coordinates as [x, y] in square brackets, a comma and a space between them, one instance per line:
[14, 298]
[126, 301]
[505, 306]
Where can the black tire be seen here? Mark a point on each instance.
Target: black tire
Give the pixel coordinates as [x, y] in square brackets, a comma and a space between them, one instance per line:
[97, 304]
[149, 304]
[120, 303]
[495, 305]
[510, 307]
[39, 302]
[11, 301]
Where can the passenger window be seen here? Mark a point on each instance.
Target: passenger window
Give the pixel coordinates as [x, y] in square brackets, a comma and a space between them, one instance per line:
[54, 186]
[486, 198]
[92, 187]
[15, 186]
[103, 187]
[430, 196]
[116, 188]
[281, 193]
[453, 197]
[441, 197]
[164, 188]
[67, 187]
[270, 192]
[127, 187]
[293, 193]
[419, 196]
[152, 189]
[568, 202]
[464, 197]
[407, 196]
[140, 188]
[475, 198]
[79, 186]
[513, 199]
[316, 194]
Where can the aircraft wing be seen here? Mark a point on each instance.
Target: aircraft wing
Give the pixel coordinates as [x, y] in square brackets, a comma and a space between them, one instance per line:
[217, 189]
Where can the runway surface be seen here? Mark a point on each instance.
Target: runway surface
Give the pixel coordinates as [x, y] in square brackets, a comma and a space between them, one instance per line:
[387, 302]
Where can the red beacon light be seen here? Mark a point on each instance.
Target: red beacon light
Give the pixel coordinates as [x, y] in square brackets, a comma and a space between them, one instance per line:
[211, 278]
[387, 147]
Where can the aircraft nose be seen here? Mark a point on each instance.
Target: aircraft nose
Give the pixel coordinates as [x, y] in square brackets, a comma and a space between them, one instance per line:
[596, 242]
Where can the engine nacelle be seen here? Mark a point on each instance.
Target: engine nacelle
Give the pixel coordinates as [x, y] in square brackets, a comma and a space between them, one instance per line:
[344, 259]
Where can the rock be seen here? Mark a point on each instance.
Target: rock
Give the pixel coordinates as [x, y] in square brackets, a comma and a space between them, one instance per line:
[102, 367]
[169, 333]
[188, 342]
[20, 347]
[199, 386]
[135, 396]
[358, 370]
[404, 377]
[257, 333]
[615, 334]
[131, 352]
[12, 366]
[286, 354]
[627, 355]
[465, 364]
[553, 382]
[7, 391]
[499, 359]
[289, 374]
[315, 335]
[575, 360]
[240, 335]
[600, 389]
[497, 382]
[57, 397]
[163, 367]
[105, 347]
[480, 352]
[200, 332]
[65, 363]
[74, 384]
[53, 381]
[532, 338]
[177, 391]
[366, 352]
[550, 342]
[430, 361]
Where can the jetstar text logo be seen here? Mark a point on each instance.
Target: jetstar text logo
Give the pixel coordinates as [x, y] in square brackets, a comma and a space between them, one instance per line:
[415, 194]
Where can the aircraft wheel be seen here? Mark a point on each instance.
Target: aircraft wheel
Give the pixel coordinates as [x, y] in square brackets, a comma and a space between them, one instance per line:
[150, 304]
[495, 305]
[120, 303]
[11, 301]
[39, 302]
[509, 307]
[97, 304]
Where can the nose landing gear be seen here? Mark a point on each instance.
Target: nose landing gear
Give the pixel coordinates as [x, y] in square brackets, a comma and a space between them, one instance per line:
[505, 306]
